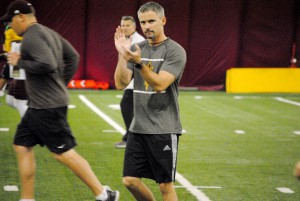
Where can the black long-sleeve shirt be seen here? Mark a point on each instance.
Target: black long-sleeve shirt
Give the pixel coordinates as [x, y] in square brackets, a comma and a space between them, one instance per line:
[50, 62]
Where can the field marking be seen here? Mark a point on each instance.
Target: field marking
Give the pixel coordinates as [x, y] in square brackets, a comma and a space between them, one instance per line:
[183, 181]
[240, 132]
[109, 131]
[285, 190]
[114, 106]
[218, 187]
[297, 132]
[287, 101]
[11, 188]
[245, 97]
[102, 115]
[71, 106]
[4, 129]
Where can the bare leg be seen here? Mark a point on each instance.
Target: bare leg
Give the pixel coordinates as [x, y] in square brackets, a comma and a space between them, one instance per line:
[27, 168]
[168, 192]
[138, 189]
[297, 170]
[81, 168]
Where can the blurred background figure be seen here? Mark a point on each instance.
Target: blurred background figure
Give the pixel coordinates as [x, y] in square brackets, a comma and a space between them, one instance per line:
[12, 76]
[128, 26]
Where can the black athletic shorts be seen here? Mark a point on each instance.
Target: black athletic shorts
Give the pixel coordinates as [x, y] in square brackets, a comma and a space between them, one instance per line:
[152, 156]
[45, 127]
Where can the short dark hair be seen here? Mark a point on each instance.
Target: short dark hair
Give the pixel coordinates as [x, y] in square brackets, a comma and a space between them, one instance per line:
[152, 6]
[127, 17]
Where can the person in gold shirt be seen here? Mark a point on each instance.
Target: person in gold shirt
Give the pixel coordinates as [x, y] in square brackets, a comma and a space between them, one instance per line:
[14, 77]
[10, 36]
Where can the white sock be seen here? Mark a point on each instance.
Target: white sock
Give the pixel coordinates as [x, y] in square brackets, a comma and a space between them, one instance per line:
[102, 196]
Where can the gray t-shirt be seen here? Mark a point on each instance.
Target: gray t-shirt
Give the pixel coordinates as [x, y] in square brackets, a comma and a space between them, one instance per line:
[158, 113]
[49, 62]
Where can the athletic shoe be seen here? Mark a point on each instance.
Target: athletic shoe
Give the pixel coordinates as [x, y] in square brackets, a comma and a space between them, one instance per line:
[121, 145]
[112, 195]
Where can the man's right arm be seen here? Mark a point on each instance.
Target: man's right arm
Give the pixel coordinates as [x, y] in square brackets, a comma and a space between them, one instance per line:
[122, 75]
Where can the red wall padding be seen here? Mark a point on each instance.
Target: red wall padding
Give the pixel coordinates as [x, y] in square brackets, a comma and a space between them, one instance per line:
[217, 35]
[102, 20]
[267, 33]
[213, 44]
[68, 19]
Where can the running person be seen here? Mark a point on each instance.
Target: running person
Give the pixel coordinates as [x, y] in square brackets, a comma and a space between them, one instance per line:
[128, 26]
[49, 62]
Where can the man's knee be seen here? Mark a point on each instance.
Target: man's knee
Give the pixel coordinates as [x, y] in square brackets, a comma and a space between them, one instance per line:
[65, 157]
[166, 188]
[130, 182]
[60, 157]
[21, 149]
[57, 157]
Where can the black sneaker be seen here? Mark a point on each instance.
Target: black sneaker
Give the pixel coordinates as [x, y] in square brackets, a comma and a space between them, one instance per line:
[112, 195]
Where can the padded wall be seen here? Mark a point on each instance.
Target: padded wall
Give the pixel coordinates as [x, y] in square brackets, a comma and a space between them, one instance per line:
[267, 33]
[217, 35]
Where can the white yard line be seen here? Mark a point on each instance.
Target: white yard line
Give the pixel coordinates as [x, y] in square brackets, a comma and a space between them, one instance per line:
[285, 190]
[183, 181]
[102, 115]
[189, 187]
[287, 101]
[11, 188]
[4, 129]
[216, 187]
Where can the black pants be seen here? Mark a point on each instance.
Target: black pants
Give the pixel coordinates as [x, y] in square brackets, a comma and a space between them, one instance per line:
[127, 110]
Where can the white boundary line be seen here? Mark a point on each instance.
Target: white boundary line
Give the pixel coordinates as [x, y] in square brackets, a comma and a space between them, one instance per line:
[287, 101]
[102, 115]
[285, 190]
[11, 188]
[189, 187]
[217, 187]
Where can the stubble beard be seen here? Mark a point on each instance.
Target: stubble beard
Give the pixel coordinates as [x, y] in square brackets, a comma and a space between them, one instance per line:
[151, 36]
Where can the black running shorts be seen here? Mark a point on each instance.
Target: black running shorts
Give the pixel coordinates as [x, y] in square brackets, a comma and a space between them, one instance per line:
[47, 127]
[151, 156]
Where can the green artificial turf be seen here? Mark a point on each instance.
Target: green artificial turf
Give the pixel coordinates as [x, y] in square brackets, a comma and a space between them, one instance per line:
[236, 147]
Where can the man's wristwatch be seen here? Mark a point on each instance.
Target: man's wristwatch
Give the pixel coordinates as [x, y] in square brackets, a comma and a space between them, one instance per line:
[139, 65]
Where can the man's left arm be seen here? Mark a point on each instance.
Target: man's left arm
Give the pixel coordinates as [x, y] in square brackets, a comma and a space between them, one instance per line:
[71, 60]
[170, 71]
[159, 82]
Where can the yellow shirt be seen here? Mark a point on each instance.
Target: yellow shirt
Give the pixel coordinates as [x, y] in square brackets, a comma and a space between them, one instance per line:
[10, 36]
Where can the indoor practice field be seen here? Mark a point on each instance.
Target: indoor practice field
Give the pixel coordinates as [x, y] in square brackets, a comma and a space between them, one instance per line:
[235, 147]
